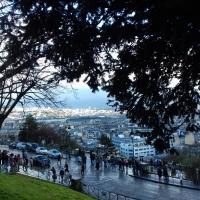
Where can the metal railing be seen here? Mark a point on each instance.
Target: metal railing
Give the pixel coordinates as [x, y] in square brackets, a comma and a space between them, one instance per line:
[46, 174]
[102, 194]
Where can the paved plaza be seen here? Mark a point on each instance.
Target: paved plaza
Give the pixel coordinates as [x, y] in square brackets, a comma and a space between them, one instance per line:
[123, 183]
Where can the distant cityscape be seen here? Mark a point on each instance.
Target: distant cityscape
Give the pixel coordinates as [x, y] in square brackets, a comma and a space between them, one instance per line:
[87, 126]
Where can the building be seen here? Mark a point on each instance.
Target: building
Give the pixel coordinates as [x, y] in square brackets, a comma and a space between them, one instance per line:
[137, 149]
[117, 140]
[9, 131]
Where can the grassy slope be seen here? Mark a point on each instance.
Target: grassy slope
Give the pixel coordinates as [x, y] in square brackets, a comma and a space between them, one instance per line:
[17, 187]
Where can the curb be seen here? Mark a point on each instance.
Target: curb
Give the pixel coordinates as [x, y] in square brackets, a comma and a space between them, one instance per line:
[181, 186]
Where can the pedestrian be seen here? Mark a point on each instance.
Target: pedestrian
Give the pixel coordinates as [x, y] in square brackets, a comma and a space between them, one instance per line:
[82, 169]
[62, 173]
[165, 174]
[54, 176]
[97, 164]
[31, 162]
[0, 157]
[179, 175]
[159, 172]
[25, 164]
[84, 159]
[59, 159]
[66, 167]
[126, 164]
[18, 161]
[70, 179]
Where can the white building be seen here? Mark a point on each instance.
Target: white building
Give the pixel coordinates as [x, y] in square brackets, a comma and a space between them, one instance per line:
[137, 149]
[119, 139]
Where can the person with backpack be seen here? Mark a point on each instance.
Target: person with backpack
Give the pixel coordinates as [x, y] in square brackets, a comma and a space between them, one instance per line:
[62, 173]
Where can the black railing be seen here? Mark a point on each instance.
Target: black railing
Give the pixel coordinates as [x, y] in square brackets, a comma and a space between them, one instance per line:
[103, 194]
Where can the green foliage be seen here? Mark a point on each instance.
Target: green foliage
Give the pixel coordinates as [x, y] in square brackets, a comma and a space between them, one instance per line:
[31, 131]
[28, 128]
[160, 145]
[189, 164]
[17, 187]
[67, 143]
[134, 50]
[105, 140]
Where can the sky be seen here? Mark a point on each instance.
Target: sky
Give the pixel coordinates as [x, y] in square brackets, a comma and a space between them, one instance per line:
[81, 96]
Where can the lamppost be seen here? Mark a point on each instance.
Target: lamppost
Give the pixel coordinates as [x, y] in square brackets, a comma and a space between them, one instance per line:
[132, 145]
[132, 137]
[133, 160]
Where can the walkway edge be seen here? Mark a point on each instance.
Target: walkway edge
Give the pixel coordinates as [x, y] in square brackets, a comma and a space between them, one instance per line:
[181, 186]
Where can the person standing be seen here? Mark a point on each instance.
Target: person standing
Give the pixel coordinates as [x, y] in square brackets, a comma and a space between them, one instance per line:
[180, 176]
[0, 157]
[66, 167]
[97, 164]
[159, 172]
[82, 169]
[62, 173]
[165, 174]
[59, 159]
[54, 176]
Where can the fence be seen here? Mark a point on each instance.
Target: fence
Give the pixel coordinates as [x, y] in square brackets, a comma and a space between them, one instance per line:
[46, 174]
[102, 194]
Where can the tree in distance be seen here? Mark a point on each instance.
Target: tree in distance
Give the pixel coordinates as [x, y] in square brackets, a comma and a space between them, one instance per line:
[32, 131]
[105, 140]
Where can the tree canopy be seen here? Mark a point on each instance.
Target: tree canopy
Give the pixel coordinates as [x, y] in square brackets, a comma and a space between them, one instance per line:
[105, 140]
[145, 54]
[32, 131]
[28, 129]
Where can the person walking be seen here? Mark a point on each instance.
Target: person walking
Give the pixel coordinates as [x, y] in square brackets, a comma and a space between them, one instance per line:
[82, 169]
[59, 159]
[159, 172]
[165, 174]
[97, 164]
[0, 157]
[62, 173]
[180, 176]
[54, 176]
[66, 167]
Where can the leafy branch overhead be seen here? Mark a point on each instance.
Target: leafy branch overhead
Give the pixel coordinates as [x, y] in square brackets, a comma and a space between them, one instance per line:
[145, 54]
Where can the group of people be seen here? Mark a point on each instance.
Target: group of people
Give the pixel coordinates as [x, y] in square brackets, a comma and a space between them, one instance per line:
[114, 163]
[64, 175]
[11, 162]
[162, 170]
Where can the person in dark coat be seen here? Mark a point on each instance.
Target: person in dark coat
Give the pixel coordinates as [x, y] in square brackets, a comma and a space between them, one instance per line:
[165, 174]
[159, 172]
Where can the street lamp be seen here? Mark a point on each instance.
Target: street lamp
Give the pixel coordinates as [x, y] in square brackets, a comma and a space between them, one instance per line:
[133, 163]
[132, 145]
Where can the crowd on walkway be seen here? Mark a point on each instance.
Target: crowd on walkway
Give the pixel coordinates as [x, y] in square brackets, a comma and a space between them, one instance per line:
[61, 173]
[11, 162]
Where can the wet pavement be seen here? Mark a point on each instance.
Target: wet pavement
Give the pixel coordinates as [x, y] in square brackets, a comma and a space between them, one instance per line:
[111, 182]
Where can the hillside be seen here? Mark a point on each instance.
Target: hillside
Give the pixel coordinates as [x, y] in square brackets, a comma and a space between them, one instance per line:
[18, 187]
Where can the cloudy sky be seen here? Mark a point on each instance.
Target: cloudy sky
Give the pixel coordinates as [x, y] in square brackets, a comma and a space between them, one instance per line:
[79, 95]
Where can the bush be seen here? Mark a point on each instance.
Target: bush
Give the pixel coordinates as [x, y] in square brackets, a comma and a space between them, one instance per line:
[190, 166]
